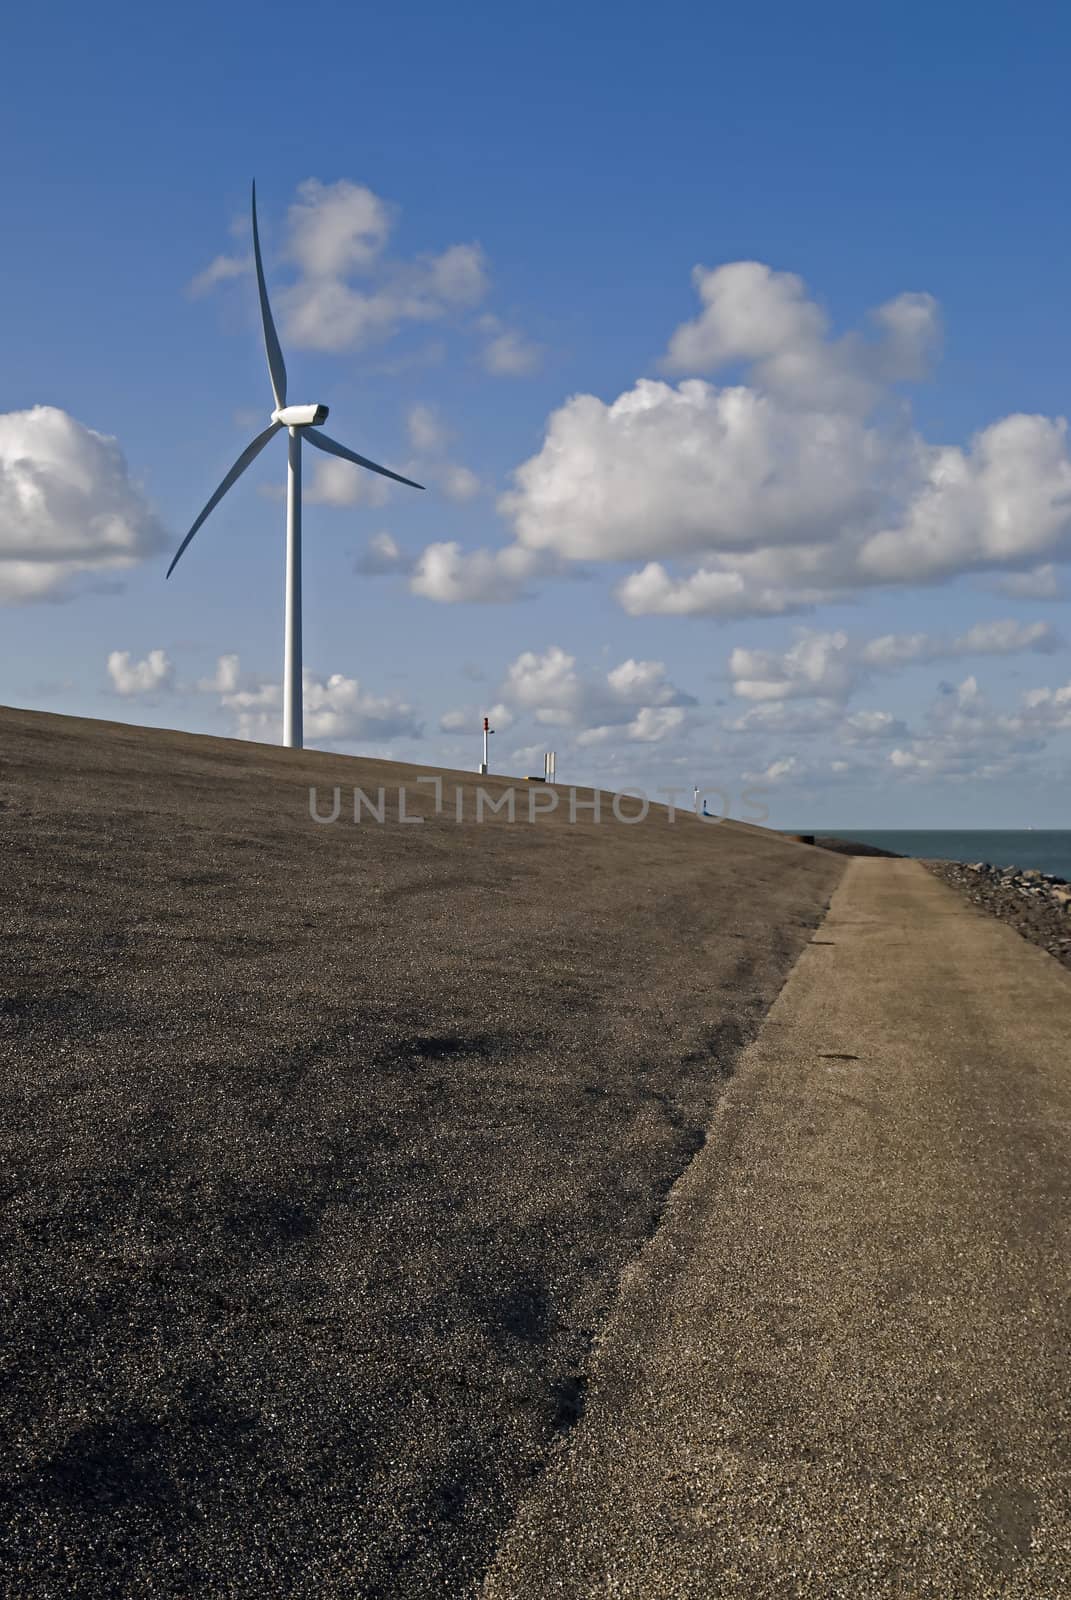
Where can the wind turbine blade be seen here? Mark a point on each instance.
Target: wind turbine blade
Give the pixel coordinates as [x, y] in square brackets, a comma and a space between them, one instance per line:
[276, 364]
[248, 455]
[333, 448]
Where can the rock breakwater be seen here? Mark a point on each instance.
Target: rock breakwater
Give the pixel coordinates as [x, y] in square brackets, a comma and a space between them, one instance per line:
[1037, 904]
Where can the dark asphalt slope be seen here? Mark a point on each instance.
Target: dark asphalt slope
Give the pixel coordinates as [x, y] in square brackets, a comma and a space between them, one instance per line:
[322, 1149]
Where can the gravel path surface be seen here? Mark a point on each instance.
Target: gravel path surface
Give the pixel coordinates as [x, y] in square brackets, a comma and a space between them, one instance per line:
[322, 1149]
[841, 1369]
[1036, 904]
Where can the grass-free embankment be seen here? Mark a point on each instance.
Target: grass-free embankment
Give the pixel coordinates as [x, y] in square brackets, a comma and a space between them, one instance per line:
[323, 1148]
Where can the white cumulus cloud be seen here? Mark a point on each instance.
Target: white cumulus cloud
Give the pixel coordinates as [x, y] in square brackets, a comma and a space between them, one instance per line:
[765, 319]
[1000, 638]
[426, 430]
[635, 701]
[779, 770]
[870, 726]
[458, 483]
[907, 760]
[800, 480]
[336, 709]
[650, 725]
[219, 270]
[507, 353]
[225, 679]
[471, 718]
[1005, 500]
[430, 439]
[349, 290]
[148, 676]
[334, 482]
[451, 575]
[69, 512]
[337, 228]
[832, 665]
[382, 555]
[1036, 583]
[819, 664]
[677, 471]
[711, 593]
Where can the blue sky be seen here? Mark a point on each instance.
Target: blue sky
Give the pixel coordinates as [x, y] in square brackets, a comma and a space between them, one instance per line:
[731, 346]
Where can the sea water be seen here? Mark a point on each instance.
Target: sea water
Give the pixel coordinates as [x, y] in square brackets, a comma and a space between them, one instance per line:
[1049, 850]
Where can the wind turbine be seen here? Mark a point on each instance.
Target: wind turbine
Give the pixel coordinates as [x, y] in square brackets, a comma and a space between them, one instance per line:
[299, 422]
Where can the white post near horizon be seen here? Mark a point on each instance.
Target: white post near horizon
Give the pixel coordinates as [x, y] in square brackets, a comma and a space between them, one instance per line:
[292, 696]
[487, 731]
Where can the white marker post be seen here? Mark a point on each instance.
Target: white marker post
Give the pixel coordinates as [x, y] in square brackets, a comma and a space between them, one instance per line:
[487, 731]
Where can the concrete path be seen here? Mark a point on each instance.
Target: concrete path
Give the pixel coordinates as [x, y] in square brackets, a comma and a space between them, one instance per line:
[842, 1367]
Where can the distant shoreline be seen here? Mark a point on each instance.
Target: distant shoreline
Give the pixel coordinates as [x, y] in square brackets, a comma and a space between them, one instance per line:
[1040, 849]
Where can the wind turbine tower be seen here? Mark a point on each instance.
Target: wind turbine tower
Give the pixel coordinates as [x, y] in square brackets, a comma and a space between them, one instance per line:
[300, 422]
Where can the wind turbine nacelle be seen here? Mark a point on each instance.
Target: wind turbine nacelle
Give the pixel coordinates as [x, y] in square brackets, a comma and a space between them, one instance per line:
[299, 416]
